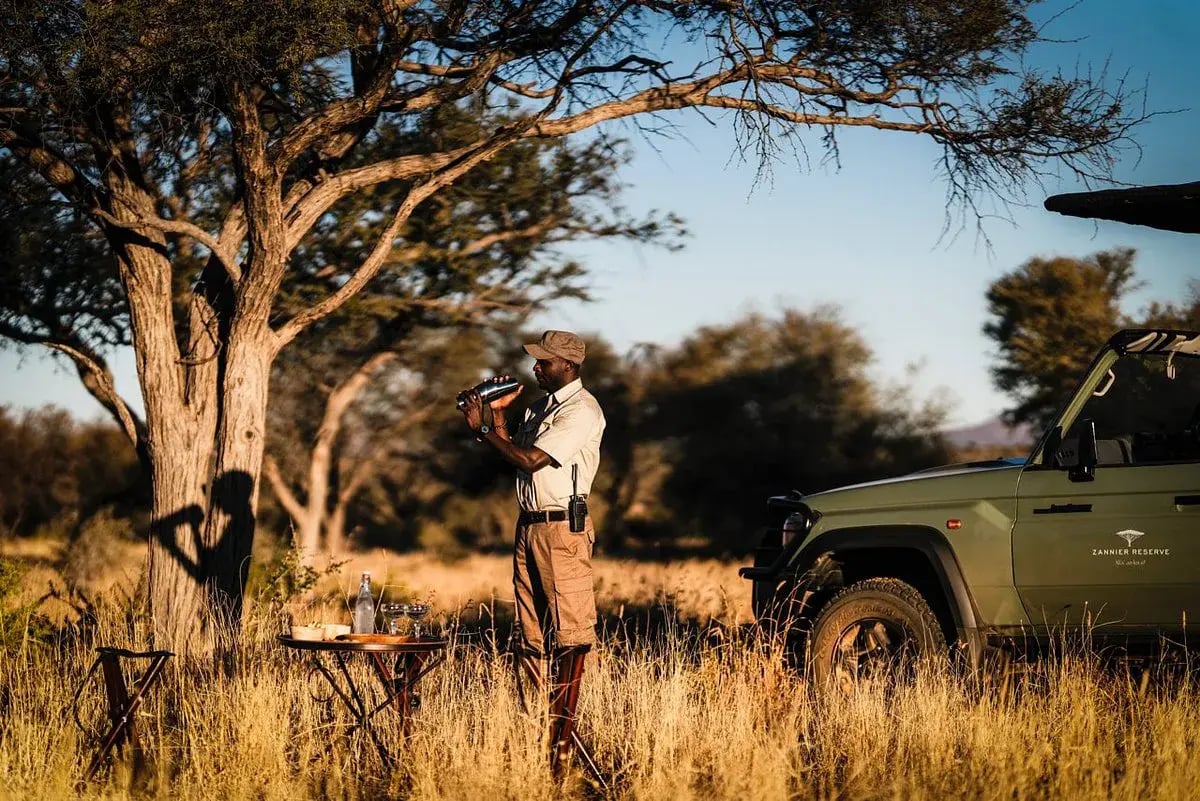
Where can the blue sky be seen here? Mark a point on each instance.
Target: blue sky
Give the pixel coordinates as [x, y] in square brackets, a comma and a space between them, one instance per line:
[864, 237]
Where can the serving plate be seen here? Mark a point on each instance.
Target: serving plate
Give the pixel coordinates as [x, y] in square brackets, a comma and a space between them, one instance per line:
[382, 639]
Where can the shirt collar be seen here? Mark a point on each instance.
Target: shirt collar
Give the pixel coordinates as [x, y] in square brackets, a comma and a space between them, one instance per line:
[565, 392]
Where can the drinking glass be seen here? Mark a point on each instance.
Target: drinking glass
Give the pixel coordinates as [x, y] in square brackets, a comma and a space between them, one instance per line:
[392, 612]
[417, 613]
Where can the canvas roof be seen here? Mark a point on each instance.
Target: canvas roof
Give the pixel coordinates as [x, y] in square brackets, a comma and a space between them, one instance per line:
[1174, 207]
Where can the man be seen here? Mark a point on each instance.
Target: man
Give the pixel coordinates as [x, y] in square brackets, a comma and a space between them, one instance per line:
[556, 451]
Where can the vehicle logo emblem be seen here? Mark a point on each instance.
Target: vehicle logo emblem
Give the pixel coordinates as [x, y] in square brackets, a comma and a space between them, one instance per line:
[1140, 555]
[1129, 535]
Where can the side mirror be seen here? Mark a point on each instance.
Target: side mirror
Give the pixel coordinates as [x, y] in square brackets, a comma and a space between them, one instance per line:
[1050, 451]
[1085, 468]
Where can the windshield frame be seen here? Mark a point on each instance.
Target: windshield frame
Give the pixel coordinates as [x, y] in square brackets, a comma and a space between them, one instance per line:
[1140, 341]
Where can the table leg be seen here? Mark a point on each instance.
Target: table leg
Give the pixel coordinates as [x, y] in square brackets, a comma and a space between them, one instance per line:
[354, 702]
[410, 666]
[329, 677]
[394, 688]
[400, 685]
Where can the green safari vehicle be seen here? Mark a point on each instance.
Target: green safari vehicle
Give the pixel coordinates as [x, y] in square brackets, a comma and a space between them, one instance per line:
[1098, 530]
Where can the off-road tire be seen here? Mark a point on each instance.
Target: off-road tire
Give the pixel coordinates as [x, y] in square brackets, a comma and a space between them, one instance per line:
[889, 606]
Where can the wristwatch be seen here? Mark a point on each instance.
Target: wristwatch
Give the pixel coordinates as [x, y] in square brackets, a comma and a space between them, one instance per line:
[484, 428]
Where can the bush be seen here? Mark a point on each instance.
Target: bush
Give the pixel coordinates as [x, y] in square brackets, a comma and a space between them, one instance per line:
[103, 554]
[20, 622]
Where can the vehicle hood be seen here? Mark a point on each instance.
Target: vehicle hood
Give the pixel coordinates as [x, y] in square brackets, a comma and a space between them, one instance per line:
[956, 482]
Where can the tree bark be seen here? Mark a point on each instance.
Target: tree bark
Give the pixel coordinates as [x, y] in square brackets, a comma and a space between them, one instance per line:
[233, 497]
[176, 543]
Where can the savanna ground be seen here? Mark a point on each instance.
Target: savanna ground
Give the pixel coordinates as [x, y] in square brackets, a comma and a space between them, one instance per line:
[681, 700]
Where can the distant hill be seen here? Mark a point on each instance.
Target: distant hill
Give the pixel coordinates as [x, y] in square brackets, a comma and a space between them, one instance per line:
[991, 434]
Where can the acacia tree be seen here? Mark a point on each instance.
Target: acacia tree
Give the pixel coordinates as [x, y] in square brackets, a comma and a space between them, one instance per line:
[205, 141]
[483, 252]
[329, 446]
[1047, 319]
[797, 391]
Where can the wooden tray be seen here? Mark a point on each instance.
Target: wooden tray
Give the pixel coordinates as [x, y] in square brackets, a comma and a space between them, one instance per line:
[382, 639]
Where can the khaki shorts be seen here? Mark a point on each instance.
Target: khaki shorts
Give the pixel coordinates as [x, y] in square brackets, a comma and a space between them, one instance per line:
[553, 584]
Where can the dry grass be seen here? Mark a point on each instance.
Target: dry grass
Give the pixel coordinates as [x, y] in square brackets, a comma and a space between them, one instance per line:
[696, 708]
[696, 590]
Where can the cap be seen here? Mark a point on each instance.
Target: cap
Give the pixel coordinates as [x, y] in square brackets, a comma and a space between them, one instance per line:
[563, 344]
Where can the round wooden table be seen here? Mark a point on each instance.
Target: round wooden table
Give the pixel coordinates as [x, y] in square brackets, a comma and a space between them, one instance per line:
[412, 660]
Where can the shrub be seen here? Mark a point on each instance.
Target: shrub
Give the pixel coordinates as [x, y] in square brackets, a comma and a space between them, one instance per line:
[20, 622]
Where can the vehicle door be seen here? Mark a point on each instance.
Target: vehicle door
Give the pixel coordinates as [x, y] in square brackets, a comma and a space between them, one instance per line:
[1121, 550]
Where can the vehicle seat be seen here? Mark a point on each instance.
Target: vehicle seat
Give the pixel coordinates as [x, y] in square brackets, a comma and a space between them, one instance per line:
[1114, 451]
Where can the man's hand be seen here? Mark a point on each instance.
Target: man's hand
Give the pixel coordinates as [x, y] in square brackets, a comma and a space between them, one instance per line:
[475, 411]
[500, 404]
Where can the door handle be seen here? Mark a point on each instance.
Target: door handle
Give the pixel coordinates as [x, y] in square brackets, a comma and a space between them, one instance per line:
[1063, 509]
[1187, 500]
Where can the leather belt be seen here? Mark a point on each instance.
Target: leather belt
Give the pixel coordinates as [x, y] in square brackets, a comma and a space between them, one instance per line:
[550, 516]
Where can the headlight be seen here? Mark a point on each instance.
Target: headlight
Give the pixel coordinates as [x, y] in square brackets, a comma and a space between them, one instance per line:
[794, 526]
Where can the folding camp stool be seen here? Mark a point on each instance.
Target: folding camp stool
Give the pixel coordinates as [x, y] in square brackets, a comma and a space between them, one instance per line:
[121, 705]
[564, 696]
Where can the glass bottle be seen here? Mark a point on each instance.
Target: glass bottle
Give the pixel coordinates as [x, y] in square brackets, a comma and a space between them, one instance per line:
[364, 607]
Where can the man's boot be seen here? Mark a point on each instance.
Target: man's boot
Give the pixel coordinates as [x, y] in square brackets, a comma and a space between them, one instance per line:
[564, 697]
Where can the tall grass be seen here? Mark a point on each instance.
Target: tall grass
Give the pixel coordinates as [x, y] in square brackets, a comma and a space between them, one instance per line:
[679, 701]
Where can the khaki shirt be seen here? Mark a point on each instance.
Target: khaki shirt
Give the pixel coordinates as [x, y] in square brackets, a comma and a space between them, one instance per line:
[567, 425]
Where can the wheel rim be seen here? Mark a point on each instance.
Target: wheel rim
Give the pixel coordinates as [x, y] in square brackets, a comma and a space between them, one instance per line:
[871, 648]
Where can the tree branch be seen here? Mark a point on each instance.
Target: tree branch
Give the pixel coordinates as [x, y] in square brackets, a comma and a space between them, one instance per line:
[52, 166]
[364, 467]
[345, 393]
[181, 228]
[102, 387]
[307, 207]
[97, 379]
[378, 256]
[287, 499]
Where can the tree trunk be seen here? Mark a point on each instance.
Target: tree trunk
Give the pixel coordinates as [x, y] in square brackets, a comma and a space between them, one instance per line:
[335, 528]
[319, 464]
[205, 408]
[233, 497]
[316, 516]
[308, 533]
[176, 548]
[180, 416]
